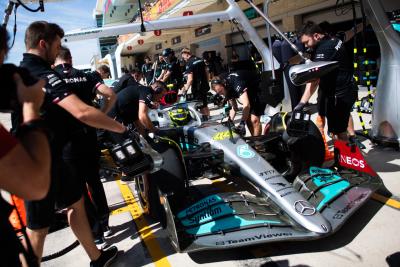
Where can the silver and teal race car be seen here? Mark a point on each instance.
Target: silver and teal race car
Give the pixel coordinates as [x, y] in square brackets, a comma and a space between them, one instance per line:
[274, 188]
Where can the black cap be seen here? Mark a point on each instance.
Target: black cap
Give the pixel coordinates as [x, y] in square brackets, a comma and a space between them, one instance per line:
[167, 51]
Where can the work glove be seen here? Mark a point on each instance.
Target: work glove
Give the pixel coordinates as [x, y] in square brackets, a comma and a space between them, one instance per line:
[300, 106]
[241, 128]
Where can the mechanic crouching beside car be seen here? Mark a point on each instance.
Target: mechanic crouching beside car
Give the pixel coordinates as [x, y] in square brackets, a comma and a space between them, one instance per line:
[242, 86]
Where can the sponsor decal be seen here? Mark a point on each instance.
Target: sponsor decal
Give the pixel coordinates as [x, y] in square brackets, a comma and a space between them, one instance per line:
[201, 205]
[222, 136]
[341, 213]
[75, 80]
[267, 173]
[253, 238]
[209, 212]
[339, 45]
[352, 161]
[304, 208]
[270, 174]
[351, 158]
[245, 152]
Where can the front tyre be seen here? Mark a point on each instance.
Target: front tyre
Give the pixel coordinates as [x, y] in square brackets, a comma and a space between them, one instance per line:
[147, 195]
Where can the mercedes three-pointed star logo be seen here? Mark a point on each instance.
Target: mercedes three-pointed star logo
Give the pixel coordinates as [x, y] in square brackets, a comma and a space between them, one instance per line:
[304, 208]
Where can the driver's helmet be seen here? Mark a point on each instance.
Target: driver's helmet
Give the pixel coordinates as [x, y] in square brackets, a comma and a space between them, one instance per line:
[180, 115]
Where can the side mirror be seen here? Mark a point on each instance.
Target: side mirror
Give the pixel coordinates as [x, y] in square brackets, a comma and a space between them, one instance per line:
[304, 73]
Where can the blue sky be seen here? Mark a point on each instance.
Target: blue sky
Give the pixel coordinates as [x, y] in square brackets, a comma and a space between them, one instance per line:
[69, 14]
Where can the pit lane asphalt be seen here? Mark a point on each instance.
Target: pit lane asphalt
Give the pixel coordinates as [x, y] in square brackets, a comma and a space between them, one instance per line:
[369, 238]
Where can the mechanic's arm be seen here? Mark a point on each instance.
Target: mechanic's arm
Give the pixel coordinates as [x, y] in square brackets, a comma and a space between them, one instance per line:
[109, 97]
[90, 115]
[25, 168]
[232, 112]
[159, 78]
[244, 98]
[310, 89]
[139, 127]
[188, 82]
[144, 117]
[166, 76]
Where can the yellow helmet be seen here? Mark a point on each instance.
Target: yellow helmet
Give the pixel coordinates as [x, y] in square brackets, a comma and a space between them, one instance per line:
[180, 115]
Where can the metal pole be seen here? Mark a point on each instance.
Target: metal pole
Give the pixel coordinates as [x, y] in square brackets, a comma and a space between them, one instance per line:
[142, 28]
[266, 7]
[275, 28]
[7, 13]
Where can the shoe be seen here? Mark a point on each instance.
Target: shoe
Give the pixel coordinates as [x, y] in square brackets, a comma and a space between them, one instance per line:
[101, 243]
[107, 231]
[126, 178]
[106, 257]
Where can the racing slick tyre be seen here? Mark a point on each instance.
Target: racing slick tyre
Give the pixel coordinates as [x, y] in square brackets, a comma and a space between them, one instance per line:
[147, 195]
[170, 179]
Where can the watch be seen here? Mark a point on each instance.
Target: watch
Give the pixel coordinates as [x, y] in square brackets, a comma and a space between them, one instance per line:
[37, 124]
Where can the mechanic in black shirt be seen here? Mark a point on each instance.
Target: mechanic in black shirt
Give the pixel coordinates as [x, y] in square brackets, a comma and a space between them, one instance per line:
[242, 85]
[173, 73]
[337, 89]
[197, 79]
[133, 103]
[147, 70]
[127, 79]
[83, 150]
[61, 110]
[158, 68]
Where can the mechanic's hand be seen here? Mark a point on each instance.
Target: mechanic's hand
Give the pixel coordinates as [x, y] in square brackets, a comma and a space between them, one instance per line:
[241, 128]
[30, 97]
[30, 94]
[300, 106]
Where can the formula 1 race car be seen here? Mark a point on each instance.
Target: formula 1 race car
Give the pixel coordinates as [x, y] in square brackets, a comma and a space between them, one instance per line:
[274, 186]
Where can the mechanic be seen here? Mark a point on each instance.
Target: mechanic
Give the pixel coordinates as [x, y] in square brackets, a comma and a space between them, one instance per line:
[127, 79]
[197, 79]
[83, 149]
[133, 102]
[345, 37]
[24, 160]
[283, 56]
[61, 110]
[131, 108]
[147, 70]
[242, 85]
[159, 68]
[337, 89]
[104, 71]
[173, 74]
